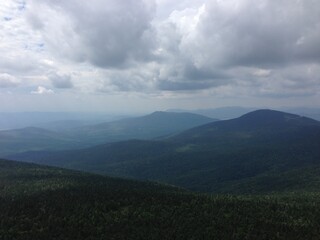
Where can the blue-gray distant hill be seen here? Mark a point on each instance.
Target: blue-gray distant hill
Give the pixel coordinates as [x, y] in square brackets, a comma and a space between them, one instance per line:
[222, 113]
[262, 151]
[36, 139]
[155, 125]
[230, 112]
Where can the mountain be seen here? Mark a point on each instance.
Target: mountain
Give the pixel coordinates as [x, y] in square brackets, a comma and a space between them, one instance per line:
[260, 152]
[308, 112]
[219, 113]
[259, 123]
[17, 120]
[155, 125]
[230, 112]
[32, 138]
[38, 202]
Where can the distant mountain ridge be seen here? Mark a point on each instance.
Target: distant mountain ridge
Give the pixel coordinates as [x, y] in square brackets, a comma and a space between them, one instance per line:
[267, 116]
[243, 155]
[222, 113]
[231, 112]
[155, 125]
[33, 138]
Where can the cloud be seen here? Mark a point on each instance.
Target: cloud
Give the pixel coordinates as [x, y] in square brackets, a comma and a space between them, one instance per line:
[42, 91]
[8, 81]
[261, 72]
[60, 80]
[204, 47]
[104, 33]
[235, 48]
[192, 45]
[254, 33]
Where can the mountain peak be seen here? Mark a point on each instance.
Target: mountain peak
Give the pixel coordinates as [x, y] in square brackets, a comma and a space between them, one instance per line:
[273, 117]
[263, 114]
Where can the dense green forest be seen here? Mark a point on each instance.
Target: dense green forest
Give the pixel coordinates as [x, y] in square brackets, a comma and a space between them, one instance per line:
[39, 202]
[261, 152]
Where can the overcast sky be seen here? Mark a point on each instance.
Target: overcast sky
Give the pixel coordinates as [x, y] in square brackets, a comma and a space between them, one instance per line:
[144, 55]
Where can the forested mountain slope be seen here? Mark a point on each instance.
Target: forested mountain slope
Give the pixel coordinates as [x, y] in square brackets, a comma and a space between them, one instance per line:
[262, 151]
[38, 202]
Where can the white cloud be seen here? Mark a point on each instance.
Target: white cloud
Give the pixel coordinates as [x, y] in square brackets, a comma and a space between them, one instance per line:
[260, 72]
[205, 47]
[256, 33]
[42, 90]
[8, 81]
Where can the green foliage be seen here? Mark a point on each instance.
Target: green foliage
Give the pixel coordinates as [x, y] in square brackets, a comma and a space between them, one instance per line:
[49, 203]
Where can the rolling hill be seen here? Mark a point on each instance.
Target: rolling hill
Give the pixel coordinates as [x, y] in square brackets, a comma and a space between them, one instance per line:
[262, 151]
[222, 113]
[32, 138]
[230, 112]
[155, 125]
[38, 202]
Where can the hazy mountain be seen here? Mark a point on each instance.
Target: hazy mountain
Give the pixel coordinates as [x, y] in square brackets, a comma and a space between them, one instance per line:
[222, 113]
[31, 138]
[15, 120]
[155, 125]
[308, 112]
[262, 151]
[38, 202]
[66, 125]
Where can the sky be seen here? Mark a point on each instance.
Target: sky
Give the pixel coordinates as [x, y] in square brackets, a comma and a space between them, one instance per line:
[145, 55]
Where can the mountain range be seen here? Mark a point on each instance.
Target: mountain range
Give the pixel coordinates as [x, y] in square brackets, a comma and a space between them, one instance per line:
[155, 125]
[230, 112]
[260, 152]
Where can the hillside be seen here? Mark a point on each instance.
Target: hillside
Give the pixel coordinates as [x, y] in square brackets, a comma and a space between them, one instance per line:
[32, 138]
[155, 125]
[222, 113]
[50, 203]
[263, 151]
[230, 112]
